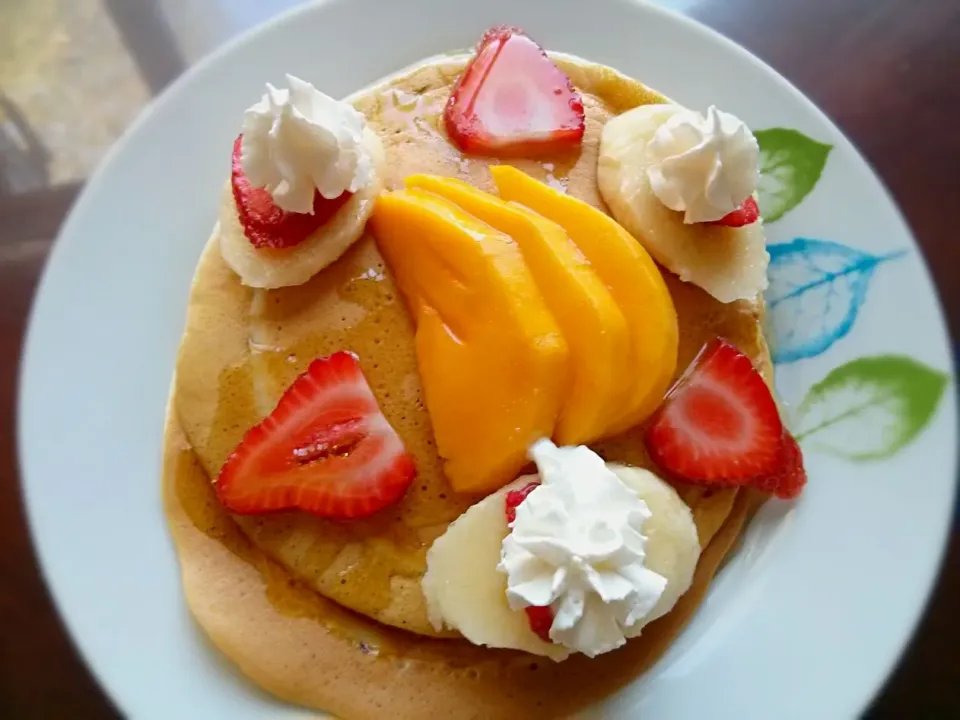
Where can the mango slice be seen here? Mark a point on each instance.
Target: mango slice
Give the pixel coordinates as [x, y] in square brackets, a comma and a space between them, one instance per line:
[629, 273]
[592, 324]
[492, 360]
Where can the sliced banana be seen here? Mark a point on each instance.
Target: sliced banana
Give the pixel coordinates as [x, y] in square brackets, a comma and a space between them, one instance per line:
[465, 591]
[267, 268]
[672, 548]
[729, 263]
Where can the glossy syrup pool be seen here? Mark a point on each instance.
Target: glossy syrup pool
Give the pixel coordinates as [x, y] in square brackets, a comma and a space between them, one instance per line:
[353, 305]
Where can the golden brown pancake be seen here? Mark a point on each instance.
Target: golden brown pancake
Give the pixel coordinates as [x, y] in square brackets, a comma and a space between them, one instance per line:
[255, 583]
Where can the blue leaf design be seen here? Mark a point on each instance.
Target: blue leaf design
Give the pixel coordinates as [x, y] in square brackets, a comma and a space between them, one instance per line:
[816, 290]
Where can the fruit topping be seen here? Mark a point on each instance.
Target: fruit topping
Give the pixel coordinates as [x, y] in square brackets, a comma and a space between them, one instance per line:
[747, 213]
[515, 497]
[789, 477]
[466, 592]
[719, 426]
[492, 360]
[325, 449]
[464, 587]
[730, 263]
[633, 280]
[719, 422]
[265, 224]
[594, 327]
[513, 101]
[541, 620]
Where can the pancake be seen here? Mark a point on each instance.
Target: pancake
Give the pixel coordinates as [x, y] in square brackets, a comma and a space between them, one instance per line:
[308, 650]
[261, 586]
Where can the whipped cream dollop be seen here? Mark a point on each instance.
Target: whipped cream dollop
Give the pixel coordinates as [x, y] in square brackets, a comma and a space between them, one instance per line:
[577, 546]
[704, 167]
[297, 141]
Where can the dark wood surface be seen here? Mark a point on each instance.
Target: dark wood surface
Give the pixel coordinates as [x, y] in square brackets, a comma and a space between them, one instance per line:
[887, 71]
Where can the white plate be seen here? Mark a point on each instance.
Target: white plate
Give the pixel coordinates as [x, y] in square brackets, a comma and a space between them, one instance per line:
[805, 622]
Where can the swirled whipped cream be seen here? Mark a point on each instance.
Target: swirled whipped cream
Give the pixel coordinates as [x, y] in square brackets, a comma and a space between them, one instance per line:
[704, 167]
[577, 546]
[299, 141]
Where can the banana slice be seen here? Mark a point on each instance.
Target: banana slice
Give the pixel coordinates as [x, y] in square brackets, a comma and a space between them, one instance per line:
[266, 268]
[464, 590]
[729, 263]
[672, 548]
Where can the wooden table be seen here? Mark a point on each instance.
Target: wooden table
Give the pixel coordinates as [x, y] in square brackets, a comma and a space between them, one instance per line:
[886, 71]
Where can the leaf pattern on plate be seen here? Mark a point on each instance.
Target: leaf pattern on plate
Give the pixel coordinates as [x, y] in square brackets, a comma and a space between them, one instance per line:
[790, 165]
[870, 408]
[815, 292]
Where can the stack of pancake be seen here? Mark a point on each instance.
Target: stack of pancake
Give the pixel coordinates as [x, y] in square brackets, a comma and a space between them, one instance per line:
[330, 614]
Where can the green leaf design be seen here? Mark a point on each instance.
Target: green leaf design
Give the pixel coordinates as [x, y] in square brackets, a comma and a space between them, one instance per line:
[790, 165]
[871, 407]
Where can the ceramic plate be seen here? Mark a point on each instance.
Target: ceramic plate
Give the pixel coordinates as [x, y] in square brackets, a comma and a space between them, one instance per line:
[808, 618]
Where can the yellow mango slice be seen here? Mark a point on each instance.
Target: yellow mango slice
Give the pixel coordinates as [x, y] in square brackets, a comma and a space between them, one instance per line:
[629, 273]
[492, 360]
[594, 327]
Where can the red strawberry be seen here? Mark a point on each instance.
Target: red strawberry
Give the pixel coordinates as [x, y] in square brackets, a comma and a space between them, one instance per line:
[746, 214]
[513, 101]
[265, 224]
[515, 497]
[719, 423]
[541, 620]
[789, 477]
[326, 449]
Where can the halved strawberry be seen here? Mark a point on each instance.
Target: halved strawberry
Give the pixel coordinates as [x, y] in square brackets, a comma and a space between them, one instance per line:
[326, 449]
[719, 423]
[746, 214]
[265, 224]
[513, 101]
[789, 477]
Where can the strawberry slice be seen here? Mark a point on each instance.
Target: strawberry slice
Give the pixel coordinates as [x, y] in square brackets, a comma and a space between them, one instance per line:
[789, 477]
[719, 423]
[515, 497]
[326, 449]
[747, 214]
[265, 224]
[540, 618]
[513, 101]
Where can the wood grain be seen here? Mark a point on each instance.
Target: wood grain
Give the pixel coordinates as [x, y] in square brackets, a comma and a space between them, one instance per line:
[887, 71]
